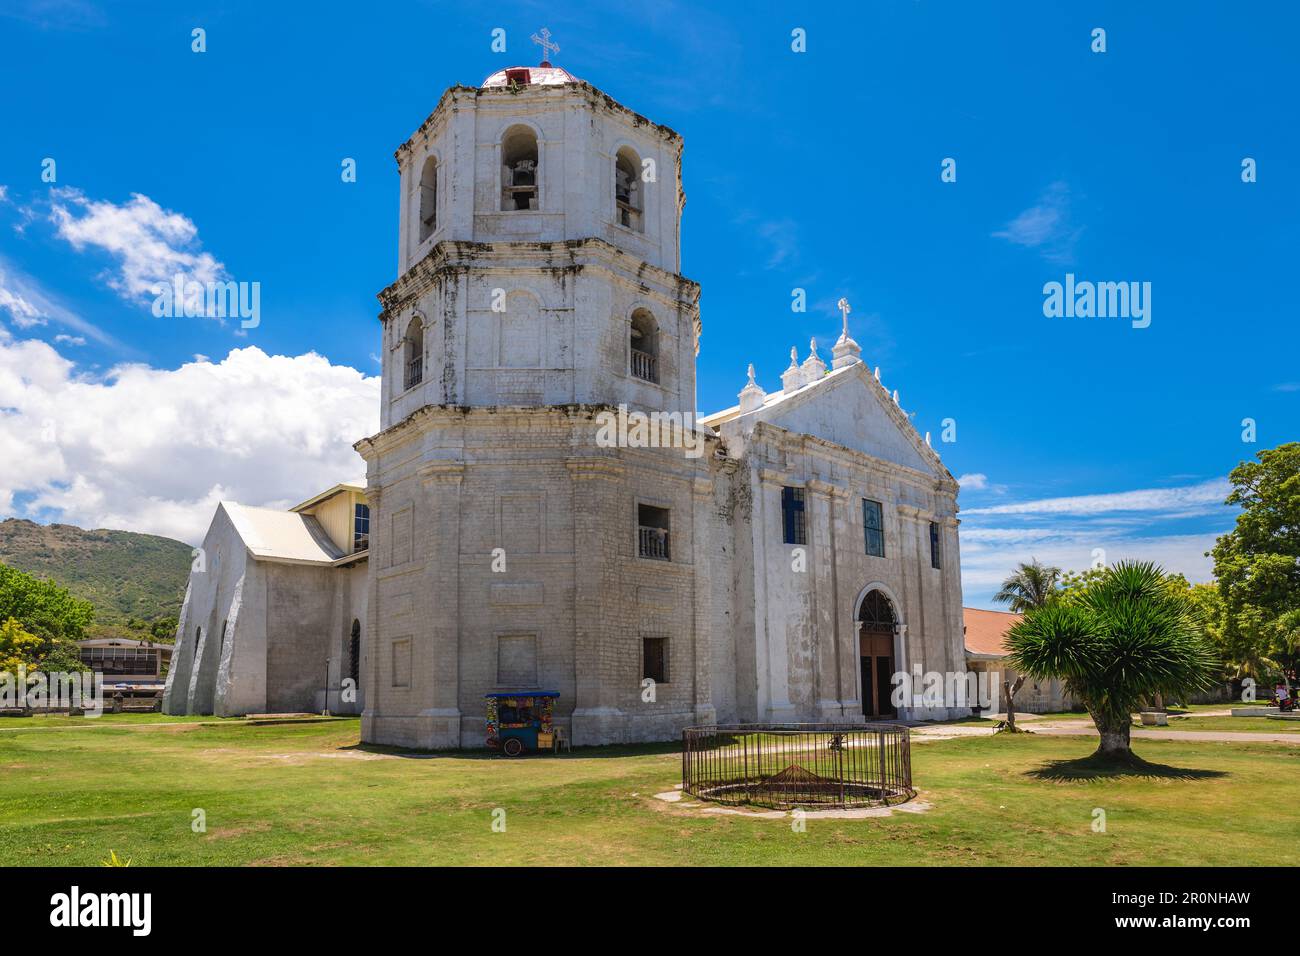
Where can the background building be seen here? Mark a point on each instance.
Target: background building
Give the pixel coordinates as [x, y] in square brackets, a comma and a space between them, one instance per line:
[274, 609]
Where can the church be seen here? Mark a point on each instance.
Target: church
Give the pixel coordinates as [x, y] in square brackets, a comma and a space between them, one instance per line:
[780, 563]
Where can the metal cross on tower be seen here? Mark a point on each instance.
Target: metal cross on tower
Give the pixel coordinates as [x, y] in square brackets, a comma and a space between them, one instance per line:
[543, 39]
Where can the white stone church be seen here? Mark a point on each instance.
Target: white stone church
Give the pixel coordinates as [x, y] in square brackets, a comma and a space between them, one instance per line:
[784, 574]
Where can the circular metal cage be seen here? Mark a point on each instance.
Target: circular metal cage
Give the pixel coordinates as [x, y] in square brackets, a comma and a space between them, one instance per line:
[784, 766]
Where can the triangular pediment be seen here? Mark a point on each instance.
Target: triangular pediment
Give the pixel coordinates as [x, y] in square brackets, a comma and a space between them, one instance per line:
[849, 407]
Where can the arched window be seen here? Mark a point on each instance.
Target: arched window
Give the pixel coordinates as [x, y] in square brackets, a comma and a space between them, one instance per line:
[429, 198]
[413, 353]
[519, 169]
[877, 613]
[629, 203]
[644, 346]
[354, 652]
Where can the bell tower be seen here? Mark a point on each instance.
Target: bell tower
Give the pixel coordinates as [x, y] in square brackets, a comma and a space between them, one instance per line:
[539, 253]
[538, 289]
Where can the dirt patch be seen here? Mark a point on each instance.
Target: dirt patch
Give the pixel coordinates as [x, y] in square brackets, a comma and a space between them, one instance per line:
[684, 802]
[227, 833]
[326, 754]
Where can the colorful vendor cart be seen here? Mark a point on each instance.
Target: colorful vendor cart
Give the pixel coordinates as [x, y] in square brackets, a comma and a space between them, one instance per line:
[519, 721]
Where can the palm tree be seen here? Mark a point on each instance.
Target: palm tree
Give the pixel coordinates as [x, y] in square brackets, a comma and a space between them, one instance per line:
[1123, 639]
[1030, 587]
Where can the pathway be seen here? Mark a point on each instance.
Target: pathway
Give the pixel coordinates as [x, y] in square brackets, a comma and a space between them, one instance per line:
[1085, 728]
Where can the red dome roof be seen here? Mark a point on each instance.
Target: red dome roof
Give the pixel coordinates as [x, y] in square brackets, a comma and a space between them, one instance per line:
[544, 75]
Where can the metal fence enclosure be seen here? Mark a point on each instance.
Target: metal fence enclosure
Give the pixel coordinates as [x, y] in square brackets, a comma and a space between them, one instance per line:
[783, 766]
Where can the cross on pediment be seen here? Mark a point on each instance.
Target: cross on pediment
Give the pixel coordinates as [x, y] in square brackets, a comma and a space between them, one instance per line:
[843, 306]
[543, 39]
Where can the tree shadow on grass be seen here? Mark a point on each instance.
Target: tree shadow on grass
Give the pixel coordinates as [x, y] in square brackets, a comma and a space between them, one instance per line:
[1096, 767]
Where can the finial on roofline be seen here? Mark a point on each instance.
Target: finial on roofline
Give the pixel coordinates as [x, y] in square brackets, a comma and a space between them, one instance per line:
[752, 395]
[813, 367]
[792, 378]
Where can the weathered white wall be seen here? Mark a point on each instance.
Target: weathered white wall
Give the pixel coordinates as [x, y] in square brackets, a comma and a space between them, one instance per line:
[579, 131]
[455, 485]
[224, 587]
[841, 442]
[282, 623]
[557, 332]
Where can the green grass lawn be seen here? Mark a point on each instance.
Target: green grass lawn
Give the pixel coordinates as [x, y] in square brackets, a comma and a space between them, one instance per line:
[308, 794]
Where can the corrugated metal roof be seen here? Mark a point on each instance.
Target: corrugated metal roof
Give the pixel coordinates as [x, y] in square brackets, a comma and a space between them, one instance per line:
[355, 485]
[282, 535]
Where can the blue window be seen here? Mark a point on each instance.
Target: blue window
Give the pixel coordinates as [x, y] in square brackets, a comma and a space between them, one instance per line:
[792, 516]
[873, 527]
[361, 528]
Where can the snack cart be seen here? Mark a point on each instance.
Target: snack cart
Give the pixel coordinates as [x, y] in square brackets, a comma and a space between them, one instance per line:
[519, 721]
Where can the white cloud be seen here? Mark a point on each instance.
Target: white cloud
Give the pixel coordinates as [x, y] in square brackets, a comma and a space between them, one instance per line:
[1204, 498]
[1046, 225]
[973, 482]
[153, 450]
[63, 339]
[1147, 525]
[983, 568]
[151, 244]
[29, 304]
[21, 312]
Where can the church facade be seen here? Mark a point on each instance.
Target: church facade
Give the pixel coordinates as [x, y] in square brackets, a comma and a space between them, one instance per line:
[528, 526]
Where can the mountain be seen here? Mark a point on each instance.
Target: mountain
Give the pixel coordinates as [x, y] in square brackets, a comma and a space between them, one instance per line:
[126, 576]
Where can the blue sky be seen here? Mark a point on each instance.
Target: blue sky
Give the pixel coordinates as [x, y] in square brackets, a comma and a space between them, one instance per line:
[817, 170]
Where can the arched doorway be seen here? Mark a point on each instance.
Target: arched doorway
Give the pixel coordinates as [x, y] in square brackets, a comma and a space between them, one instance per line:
[877, 624]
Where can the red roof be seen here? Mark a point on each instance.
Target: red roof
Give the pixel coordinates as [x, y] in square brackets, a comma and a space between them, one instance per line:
[537, 76]
[985, 630]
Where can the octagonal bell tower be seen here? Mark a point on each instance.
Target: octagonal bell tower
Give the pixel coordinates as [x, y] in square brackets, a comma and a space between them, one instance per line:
[539, 254]
[513, 544]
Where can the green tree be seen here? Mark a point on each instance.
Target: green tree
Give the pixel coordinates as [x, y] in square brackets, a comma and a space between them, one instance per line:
[1258, 564]
[163, 630]
[42, 607]
[1123, 639]
[43, 612]
[18, 647]
[1029, 587]
[1074, 582]
[1207, 604]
